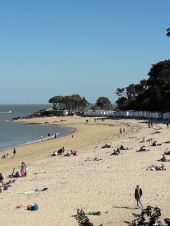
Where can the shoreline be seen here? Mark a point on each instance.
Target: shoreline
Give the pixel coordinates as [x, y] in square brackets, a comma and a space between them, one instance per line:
[72, 131]
[38, 150]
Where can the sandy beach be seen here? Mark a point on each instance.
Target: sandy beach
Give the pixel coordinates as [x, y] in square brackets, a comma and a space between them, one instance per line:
[94, 180]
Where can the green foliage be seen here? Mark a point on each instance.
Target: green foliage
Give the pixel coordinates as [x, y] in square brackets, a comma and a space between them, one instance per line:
[72, 103]
[168, 32]
[82, 218]
[104, 103]
[152, 94]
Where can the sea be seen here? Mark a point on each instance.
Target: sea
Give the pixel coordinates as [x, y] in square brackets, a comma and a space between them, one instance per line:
[13, 133]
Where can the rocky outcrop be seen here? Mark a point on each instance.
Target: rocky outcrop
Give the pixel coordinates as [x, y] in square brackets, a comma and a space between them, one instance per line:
[42, 113]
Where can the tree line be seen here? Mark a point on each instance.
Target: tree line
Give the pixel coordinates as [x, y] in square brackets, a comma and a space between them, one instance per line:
[76, 103]
[152, 94]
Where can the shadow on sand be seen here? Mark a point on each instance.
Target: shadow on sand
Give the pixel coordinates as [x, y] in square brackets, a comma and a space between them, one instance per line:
[125, 207]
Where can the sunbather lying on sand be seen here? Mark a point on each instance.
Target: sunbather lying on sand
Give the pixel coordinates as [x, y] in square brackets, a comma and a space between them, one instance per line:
[123, 148]
[73, 153]
[156, 168]
[143, 140]
[154, 143]
[142, 149]
[5, 156]
[167, 152]
[106, 146]
[164, 159]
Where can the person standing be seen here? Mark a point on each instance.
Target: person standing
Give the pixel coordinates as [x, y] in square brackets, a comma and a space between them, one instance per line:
[23, 169]
[1, 179]
[14, 152]
[138, 195]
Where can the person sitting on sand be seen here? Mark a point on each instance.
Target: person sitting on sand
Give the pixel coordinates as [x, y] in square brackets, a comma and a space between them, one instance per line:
[116, 152]
[60, 151]
[73, 153]
[154, 143]
[5, 156]
[14, 174]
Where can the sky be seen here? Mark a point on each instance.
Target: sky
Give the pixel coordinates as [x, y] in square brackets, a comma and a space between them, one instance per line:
[86, 47]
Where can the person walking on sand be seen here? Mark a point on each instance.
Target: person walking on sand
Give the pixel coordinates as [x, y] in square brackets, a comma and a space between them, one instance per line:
[14, 152]
[138, 195]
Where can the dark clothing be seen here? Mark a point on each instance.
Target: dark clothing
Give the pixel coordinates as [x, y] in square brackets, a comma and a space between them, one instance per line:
[14, 151]
[138, 194]
[1, 177]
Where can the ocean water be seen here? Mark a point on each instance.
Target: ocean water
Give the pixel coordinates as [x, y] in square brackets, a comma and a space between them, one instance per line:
[16, 133]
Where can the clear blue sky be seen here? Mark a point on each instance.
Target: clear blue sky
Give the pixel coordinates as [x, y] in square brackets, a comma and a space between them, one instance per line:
[90, 47]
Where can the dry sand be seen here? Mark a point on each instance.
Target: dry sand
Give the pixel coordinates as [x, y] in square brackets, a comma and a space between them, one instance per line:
[106, 185]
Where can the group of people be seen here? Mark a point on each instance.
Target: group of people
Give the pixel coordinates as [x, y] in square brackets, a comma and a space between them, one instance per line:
[117, 151]
[62, 150]
[6, 156]
[22, 173]
[59, 152]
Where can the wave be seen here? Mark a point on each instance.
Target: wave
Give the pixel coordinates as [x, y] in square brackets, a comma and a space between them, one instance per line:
[32, 142]
[42, 139]
[5, 112]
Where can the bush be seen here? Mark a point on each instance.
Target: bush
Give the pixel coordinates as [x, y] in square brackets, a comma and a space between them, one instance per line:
[82, 219]
[149, 217]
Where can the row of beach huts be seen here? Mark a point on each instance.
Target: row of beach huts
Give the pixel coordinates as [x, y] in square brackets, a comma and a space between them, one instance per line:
[128, 114]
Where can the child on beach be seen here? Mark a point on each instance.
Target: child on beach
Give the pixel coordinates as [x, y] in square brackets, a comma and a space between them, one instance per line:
[23, 169]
